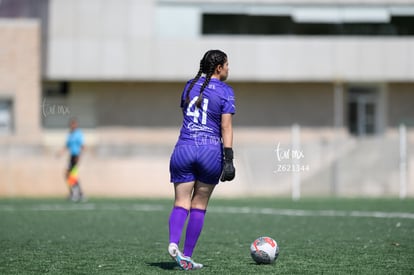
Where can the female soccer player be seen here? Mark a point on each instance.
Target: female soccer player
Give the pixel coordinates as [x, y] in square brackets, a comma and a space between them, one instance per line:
[202, 153]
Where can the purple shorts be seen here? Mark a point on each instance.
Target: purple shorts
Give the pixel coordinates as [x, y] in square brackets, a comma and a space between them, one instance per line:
[196, 163]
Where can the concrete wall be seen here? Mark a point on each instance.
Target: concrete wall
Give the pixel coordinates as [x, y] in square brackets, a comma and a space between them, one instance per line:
[134, 163]
[124, 44]
[284, 104]
[308, 2]
[97, 39]
[400, 104]
[138, 104]
[122, 72]
[20, 77]
[144, 104]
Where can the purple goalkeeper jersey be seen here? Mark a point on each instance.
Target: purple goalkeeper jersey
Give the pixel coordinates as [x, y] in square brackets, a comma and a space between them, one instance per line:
[202, 126]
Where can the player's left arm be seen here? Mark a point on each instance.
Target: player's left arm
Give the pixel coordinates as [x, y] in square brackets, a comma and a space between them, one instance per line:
[227, 130]
[227, 112]
[229, 172]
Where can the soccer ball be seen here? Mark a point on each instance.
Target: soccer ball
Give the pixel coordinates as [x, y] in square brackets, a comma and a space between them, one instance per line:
[264, 250]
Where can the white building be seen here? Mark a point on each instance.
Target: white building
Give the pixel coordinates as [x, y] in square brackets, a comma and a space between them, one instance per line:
[339, 69]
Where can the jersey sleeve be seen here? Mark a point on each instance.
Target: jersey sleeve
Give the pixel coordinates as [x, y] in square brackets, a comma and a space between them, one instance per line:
[228, 102]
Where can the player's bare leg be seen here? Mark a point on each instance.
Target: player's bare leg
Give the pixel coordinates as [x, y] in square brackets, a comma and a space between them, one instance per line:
[201, 195]
[183, 194]
[187, 196]
[200, 198]
[178, 217]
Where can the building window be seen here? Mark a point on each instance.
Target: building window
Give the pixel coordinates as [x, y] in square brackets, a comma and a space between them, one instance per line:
[365, 111]
[56, 89]
[6, 116]
[55, 109]
[245, 24]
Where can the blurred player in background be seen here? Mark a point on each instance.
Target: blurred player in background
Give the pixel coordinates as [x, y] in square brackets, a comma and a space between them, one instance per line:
[203, 154]
[75, 146]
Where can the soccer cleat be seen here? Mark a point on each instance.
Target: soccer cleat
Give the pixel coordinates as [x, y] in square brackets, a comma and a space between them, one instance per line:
[184, 262]
[194, 264]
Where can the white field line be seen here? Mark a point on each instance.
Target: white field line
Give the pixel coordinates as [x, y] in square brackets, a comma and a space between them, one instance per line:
[317, 213]
[212, 209]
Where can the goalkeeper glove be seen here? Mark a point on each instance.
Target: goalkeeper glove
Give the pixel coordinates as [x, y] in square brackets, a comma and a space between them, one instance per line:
[229, 172]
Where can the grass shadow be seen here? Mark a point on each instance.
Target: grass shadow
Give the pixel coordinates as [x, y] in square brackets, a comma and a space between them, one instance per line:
[164, 265]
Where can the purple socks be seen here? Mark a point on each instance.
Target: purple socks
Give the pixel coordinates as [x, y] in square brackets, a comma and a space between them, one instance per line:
[195, 224]
[194, 227]
[177, 220]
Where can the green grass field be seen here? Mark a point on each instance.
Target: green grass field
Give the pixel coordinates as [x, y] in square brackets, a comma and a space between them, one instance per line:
[108, 236]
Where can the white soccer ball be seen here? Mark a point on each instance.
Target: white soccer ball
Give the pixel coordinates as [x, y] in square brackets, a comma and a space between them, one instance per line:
[264, 250]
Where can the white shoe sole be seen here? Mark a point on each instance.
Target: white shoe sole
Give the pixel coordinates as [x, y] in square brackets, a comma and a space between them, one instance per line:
[184, 262]
[173, 250]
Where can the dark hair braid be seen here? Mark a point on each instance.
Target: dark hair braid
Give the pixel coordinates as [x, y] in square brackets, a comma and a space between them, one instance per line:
[206, 82]
[200, 71]
[208, 65]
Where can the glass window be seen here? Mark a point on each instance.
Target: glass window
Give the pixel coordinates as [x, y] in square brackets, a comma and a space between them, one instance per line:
[245, 24]
[6, 116]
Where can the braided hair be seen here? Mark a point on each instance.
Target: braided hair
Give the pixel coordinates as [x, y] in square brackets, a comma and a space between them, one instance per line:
[208, 65]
